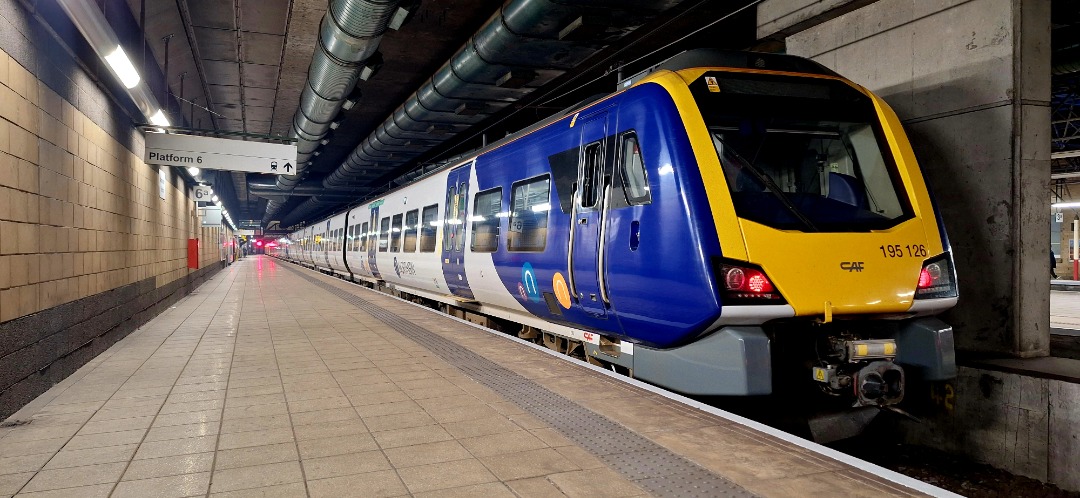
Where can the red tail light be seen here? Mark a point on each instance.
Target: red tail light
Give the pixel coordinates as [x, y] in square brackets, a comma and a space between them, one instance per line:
[937, 279]
[744, 284]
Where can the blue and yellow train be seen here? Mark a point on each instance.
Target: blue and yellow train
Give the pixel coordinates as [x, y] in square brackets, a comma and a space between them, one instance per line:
[725, 224]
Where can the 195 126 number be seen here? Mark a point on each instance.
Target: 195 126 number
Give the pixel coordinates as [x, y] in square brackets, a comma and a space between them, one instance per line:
[900, 251]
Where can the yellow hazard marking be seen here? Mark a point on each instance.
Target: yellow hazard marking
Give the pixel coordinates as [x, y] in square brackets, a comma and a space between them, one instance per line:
[819, 374]
[890, 348]
[862, 349]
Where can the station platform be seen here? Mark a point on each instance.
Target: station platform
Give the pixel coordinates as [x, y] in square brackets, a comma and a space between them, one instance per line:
[274, 380]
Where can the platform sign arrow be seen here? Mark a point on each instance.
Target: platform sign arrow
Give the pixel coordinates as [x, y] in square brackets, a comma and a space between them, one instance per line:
[219, 153]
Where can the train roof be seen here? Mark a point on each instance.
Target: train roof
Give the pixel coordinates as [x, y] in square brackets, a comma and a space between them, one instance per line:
[713, 57]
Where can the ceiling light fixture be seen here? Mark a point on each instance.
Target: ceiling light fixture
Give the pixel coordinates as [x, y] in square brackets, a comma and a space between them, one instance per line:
[159, 118]
[193, 171]
[123, 68]
[90, 21]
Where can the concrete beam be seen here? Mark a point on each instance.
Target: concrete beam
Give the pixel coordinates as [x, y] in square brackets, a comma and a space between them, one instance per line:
[777, 19]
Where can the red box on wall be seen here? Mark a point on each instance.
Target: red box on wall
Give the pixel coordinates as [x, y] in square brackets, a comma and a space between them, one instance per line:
[193, 254]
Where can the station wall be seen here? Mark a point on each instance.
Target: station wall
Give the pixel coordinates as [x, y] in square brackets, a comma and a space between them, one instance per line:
[89, 247]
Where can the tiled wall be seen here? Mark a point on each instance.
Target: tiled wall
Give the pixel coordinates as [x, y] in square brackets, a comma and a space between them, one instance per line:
[79, 213]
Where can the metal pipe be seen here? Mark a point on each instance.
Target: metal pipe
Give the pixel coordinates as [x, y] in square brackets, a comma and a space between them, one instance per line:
[349, 34]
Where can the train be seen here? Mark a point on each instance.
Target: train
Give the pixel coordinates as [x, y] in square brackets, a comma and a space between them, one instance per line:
[725, 224]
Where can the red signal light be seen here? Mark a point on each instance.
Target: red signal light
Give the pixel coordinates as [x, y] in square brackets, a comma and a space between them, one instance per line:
[259, 243]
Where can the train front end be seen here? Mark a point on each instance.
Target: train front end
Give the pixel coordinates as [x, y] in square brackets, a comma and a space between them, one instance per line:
[831, 242]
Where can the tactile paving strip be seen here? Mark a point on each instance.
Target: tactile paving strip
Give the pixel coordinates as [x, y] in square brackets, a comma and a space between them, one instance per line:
[647, 464]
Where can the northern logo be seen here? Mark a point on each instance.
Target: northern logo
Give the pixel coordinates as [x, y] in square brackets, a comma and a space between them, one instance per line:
[851, 266]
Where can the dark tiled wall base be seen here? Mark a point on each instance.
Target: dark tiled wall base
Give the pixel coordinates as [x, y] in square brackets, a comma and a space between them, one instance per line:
[37, 351]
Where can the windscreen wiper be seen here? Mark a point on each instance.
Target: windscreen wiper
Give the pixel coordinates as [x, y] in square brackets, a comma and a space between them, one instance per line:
[767, 180]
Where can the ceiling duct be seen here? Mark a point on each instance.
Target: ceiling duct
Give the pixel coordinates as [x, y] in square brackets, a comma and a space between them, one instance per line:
[524, 46]
[269, 190]
[349, 35]
[308, 208]
[272, 208]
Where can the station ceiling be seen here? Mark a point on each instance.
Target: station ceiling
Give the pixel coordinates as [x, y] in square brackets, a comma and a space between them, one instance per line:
[1065, 92]
[241, 66]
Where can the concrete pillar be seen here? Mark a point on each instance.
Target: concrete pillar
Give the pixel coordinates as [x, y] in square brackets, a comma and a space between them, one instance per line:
[971, 81]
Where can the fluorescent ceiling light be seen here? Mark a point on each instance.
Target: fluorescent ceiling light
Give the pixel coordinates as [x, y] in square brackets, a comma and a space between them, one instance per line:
[120, 64]
[1065, 205]
[159, 118]
[213, 199]
[193, 171]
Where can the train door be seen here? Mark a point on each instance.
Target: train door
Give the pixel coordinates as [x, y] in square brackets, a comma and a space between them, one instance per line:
[453, 247]
[328, 240]
[372, 239]
[588, 215]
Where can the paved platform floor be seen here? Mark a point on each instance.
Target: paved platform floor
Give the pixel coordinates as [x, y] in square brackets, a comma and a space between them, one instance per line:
[1065, 312]
[271, 380]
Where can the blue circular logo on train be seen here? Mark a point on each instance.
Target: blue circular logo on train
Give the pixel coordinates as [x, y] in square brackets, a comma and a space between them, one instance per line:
[528, 280]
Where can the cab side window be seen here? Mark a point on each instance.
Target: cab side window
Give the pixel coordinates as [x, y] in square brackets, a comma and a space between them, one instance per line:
[634, 178]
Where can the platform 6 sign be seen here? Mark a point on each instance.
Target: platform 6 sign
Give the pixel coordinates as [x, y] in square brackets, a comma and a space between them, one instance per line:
[220, 153]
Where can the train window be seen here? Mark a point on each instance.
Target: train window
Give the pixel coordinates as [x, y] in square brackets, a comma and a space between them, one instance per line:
[635, 181]
[395, 234]
[411, 220]
[591, 168]
[354, 244]
[486, 218]
[384, 234]
[364, 237]
[428, 228]
[459, 222]
[529, 206]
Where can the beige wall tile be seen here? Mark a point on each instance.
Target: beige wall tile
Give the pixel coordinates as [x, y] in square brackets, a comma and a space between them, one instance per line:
[9, 243]
[9, 104]
[28, 238]
[9, 169]
[17, 76]
[5, 272]
[28, 299]
[5, 204]
[10, 307]
[4, 58]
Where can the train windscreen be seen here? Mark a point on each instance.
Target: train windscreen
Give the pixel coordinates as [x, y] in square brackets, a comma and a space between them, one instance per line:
[801, 153]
